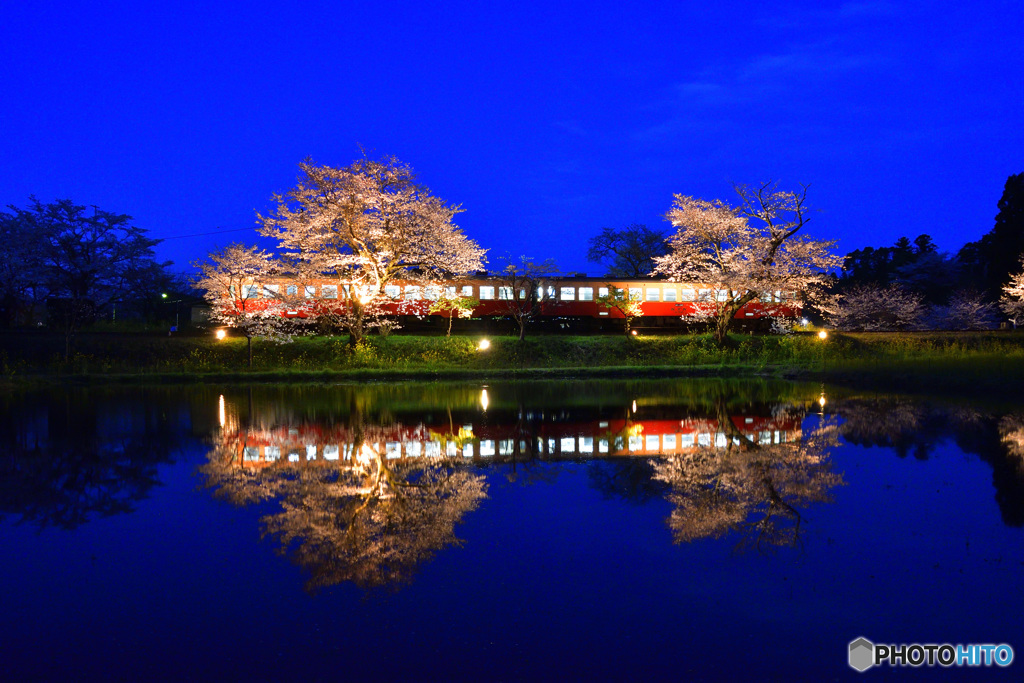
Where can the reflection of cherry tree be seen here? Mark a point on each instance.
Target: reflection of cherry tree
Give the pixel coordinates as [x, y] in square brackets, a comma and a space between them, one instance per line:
[368, 520]
[756, 489]
[1011, 432]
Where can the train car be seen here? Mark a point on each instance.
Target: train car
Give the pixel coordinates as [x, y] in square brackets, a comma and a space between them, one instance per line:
[570, 303]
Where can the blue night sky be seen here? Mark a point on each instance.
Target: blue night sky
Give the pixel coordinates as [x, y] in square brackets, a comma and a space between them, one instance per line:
[544, 121]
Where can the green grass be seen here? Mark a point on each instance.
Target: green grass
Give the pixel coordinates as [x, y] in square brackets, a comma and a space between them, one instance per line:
[975, 360]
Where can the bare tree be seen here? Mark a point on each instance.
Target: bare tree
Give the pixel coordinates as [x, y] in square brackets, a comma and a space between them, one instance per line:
[233, 281]
[716, 245]
[630, 251]
[873, 308]
[1012, 300]
[366, 225]
[519, 286]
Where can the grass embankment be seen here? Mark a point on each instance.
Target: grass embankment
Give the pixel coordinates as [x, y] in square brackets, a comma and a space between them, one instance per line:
[976, 361]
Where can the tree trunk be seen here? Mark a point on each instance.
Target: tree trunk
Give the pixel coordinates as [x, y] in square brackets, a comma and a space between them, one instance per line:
[522, 328]
[248, 344]
[451, 317]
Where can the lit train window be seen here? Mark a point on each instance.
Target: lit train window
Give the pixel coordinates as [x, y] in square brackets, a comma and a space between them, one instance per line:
[568, 444]
[449, 292]
[688, 294]
[231, 291]
[602, 291]
[272, 453]
[310, 291]
[635, 294]
[602, 446]
[686, 440]
[586, 444]
[467, 290]
[636, 443]
[292, 290]
[467, 450]
[329, 291]
[653, 442]
[392, 291]
[250, 291]
[251, 454]
[432, 293]
[586, 293]
[412, 293]
[704, 295]
[670, 293]
[330, 452]
[723, 295]
[453, 449]
[670, 441]
[653, 294]
[505, 293]
[310, 451]
[568, 294]
[704, 440]
[271, 290]
[486, 293]
[506, 446]
[486, 447]
[413, 449]
[432, 449]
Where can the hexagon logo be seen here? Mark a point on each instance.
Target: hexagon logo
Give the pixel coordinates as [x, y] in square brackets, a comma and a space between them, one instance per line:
[862, 654]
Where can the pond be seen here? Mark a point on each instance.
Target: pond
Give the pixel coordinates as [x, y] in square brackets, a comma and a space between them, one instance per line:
[608, 530]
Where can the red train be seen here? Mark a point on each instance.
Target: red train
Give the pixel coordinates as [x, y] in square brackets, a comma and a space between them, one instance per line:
[561, 302]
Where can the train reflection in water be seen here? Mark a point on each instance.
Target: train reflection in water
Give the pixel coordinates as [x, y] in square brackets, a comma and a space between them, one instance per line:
[305, 443]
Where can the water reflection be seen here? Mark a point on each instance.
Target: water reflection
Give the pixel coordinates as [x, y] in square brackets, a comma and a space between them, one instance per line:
[913, 427]
[69, 458]
[368, 492]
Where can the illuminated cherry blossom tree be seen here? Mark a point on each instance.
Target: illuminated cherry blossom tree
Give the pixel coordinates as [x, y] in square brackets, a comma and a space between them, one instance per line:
[366, 225]
[233, 281]
[873, 308]
[1012, 300]
[743, 252]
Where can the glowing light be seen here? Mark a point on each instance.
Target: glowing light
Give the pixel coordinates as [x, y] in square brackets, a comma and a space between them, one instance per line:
[163, 295]
[634, 406]
[803, 321]
[221, 334]
[223, 411]
[483, 345]
[821, 401]
[823, 335]
[633, 332]
[484, 401]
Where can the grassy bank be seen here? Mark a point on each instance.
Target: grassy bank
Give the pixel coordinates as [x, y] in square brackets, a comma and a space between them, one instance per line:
[971, 360]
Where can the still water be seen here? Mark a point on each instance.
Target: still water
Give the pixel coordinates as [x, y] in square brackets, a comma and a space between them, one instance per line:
[685, 529]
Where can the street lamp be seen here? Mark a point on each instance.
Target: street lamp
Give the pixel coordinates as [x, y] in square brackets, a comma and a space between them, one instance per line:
[175, 302]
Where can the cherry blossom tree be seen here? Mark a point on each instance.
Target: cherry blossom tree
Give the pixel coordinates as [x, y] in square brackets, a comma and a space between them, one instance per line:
[233, 281]
[873, 308]
[1012, 300]
[966, 310]
[746, 251]
[366, 225]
